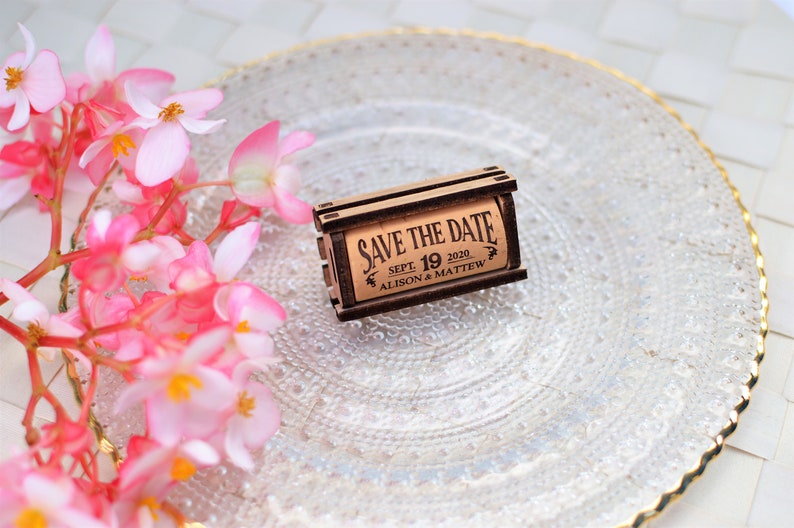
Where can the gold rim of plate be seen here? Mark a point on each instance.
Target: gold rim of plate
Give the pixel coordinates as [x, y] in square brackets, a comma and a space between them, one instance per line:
[718, 441]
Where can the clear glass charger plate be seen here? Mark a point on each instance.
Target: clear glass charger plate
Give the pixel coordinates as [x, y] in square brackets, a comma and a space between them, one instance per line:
[589, 394]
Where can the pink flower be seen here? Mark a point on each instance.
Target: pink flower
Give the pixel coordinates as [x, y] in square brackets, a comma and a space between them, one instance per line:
[100, 64]
[146, 201]
[168, 250]
[197, 276]
[23, 169]
[40, 322]
[46, 500]
[67, 436]
[113, 255]
[104, 310]
[184, 397]
[149, 460]
[234, 251]
[253, 314]
[14, 184]
[149, 472]
[31, 82]
[254, 420]
[261, 178]
[118, 142]
[165, 147]
[103, 90]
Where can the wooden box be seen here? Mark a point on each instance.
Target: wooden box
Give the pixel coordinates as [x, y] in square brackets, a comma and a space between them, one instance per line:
[417, 243]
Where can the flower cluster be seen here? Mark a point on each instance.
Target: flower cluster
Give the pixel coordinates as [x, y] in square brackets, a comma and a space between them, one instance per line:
[153, 302]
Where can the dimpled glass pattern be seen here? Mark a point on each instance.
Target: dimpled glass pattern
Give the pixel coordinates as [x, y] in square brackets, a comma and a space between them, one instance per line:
[576, 397]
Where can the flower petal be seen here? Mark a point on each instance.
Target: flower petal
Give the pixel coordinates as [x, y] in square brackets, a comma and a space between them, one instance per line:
[166, 420]
[138, 257]
[100, 55]
[74, 518]
[235, 249]
[290, 208]
[47, 493]
[140, 104]
[43, 82]
[259, 148]
[217, 390]
[128, 192]
[21, 113]
[100, 223]
[31, 311]
[201, 452]
[267, 417]
[154, 84]
[133, 394]
[30, 45]
[254, 344]
[195, 103]
[9, 97]
[288, 177]
[295, 141]
[234, 446]
[249, 303]
[162, 153]
[123, 229]
[15, 292]
[59, 327]
[205, 345]
[251, 185]
[200, 126]
[92, 150]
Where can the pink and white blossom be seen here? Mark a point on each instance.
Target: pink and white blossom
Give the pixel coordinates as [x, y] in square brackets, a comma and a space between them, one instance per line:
[146, 202]
[184, 397]
[103, 309]
[255, 418]
[252, 314]
[31, 81]
[118, 142]
[149, 460]
[198, 276]
[48, 499]
[40, 322]
[262, 176]
[166, 146]
[113, 254]
[170, 317]
[13, 184]
[103, 91]
[23, 170]
[149, 472]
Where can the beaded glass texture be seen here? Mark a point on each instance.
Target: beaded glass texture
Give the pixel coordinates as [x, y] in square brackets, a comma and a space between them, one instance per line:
[588, 394]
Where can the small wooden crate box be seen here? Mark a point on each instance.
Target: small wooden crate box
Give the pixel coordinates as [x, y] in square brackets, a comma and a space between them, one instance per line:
[421, 242]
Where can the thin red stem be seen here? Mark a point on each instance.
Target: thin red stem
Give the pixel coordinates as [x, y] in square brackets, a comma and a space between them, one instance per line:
[13, 330]
[198, 185]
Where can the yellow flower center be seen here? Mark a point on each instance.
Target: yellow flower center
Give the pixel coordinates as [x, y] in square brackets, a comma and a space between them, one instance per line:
[122, 142]
[182, 335]
[170, 112]
[178, 389]
[152, 504]
[243, 327]
[35, 332]
[182, 469]
[13, 77]
[30, 518]
[245, 404]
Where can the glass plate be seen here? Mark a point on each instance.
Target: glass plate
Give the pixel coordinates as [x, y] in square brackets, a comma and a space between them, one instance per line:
[588, 394]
